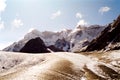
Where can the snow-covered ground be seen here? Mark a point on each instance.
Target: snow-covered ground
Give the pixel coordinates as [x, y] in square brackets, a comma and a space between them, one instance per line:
[59, 66]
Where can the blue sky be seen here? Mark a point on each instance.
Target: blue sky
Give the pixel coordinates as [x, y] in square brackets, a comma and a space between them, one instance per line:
[17, 17]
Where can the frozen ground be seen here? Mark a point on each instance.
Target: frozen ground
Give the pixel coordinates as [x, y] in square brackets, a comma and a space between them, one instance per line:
[60, 66]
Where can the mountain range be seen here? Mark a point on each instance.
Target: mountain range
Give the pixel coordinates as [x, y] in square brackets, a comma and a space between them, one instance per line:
[66, 40]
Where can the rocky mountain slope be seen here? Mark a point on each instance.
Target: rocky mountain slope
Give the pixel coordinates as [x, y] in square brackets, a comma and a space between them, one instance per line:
[109, 38]
[35, 46]
[60, 66]
[67, 40]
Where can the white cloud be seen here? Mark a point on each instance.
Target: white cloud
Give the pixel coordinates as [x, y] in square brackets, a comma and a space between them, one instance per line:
[82, 22]
[2, 5]
[17, 23]
[104, 9]
[79, 15]
[56, 14]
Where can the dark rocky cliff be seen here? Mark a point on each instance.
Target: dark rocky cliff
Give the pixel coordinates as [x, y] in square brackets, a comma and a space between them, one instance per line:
[35, 46]
[109, 38]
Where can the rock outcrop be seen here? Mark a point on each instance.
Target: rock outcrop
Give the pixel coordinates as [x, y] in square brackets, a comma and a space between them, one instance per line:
[35, 46]
[62, 44]
[109, 38]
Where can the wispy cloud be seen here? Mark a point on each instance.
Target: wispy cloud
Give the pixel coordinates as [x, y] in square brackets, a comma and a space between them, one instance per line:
[79, 15]
[82, 22]
[2, 8]
[17, 23]
[1, 24]
[2, 5]
[56, 14]
[104, 9]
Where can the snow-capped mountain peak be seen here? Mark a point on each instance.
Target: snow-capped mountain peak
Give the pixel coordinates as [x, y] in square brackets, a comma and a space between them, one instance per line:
[74, 38]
